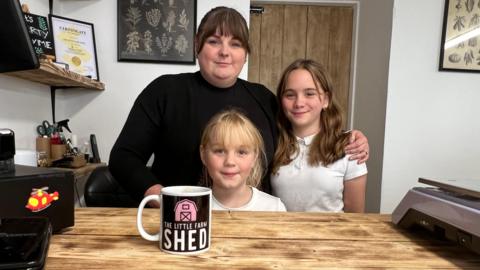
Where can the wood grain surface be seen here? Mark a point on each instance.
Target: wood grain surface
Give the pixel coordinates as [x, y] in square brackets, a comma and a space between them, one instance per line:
[107, 238]
[286, 32]
[50, 74]
[271, 46]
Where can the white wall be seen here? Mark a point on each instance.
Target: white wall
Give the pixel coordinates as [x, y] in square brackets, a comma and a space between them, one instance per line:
[24, 104]
[431, 122]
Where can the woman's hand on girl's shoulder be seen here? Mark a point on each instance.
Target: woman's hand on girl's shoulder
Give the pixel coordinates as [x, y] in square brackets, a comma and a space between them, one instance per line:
[358, 147]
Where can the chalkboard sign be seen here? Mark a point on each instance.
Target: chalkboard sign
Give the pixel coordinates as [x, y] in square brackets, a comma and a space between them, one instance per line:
[40, 35]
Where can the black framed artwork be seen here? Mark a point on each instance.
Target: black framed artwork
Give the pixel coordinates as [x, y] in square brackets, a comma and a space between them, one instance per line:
[160, 31]
[460, 46]
[75, 45]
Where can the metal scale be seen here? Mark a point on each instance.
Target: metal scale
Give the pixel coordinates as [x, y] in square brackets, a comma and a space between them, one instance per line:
[451, 209]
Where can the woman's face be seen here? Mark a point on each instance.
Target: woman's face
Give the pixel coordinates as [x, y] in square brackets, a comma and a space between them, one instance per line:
[302, 103]
[221, 60]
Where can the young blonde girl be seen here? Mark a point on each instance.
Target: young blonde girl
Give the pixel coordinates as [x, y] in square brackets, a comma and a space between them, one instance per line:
[311, 171]
[233, 156]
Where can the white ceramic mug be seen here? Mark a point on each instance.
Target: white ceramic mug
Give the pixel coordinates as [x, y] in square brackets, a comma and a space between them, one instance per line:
[185, 219]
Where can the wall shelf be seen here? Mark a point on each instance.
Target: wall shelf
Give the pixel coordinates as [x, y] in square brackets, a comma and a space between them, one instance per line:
[50, 74]
[57, 78]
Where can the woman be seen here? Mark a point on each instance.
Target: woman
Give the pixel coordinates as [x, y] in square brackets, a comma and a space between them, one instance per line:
[168, 117]
[311, 171]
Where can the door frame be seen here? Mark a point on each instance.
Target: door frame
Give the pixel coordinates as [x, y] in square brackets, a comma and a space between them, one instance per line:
[355, 4]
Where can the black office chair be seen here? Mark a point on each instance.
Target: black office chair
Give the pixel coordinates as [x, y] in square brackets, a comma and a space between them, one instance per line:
[102, 190]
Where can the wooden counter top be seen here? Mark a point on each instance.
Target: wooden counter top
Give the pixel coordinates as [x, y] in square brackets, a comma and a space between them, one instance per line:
[107, 238]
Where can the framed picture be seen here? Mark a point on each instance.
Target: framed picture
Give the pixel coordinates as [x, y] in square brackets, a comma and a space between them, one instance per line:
[160, 31]
[460, 47]
[75, 45]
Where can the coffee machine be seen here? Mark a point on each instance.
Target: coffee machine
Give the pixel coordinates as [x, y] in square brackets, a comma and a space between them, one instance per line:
[7, 150]
[28, 191]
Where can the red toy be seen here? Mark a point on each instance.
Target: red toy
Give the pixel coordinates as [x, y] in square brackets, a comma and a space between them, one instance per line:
[40, 199]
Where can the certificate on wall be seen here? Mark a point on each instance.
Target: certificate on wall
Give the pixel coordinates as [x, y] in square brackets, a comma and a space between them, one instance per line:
[75, 45]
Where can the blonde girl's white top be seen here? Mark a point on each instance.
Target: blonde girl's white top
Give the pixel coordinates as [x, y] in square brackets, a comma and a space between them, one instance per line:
[314, 189]
[260, 201]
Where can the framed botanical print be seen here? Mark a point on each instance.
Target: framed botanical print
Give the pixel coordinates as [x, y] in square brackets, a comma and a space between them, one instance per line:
[160, 31]
[460, 47]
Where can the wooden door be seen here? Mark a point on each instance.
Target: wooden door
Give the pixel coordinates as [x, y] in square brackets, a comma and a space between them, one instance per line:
[284, 33]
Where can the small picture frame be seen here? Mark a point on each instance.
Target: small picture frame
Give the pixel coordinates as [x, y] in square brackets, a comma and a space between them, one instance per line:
[156, 31]
[75, 45]
[460, 46]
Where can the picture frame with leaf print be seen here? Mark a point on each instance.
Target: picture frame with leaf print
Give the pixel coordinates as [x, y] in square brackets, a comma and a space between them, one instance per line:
[160, 31]
[460, 46]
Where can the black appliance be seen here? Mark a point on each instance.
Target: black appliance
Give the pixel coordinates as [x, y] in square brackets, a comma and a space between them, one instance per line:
[24, 242]
[38, 192]
[7, 150]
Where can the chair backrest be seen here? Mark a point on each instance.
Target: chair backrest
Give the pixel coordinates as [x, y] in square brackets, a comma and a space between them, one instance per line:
[102, 190]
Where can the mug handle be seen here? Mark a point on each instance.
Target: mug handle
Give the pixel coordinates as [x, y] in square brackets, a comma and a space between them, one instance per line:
[140, 228]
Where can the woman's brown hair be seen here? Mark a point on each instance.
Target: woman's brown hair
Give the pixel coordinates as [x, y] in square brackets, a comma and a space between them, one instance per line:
[228, 21]
[328, 145]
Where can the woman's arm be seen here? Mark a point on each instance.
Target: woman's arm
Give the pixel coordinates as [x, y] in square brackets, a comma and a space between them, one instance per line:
[135, 145]
[358, 147]
[354, 194]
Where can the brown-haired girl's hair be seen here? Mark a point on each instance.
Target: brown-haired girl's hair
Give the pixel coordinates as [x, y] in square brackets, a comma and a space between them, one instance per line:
[328, 145]
[228, 21]
[232, 127]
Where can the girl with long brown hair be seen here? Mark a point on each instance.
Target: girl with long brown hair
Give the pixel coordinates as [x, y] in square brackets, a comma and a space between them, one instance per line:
[311, 171]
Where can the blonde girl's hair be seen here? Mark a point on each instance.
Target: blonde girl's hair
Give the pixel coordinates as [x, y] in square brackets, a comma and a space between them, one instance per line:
[232, 127]
[328, 145]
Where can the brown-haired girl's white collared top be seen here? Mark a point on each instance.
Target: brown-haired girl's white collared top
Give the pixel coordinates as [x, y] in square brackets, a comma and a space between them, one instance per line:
[302, 187]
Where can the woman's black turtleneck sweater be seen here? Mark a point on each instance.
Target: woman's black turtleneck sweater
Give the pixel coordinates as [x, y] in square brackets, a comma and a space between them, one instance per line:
[168, 118]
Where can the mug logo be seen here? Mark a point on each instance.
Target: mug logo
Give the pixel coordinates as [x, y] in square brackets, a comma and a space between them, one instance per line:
[186, 210]
[185, 224]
